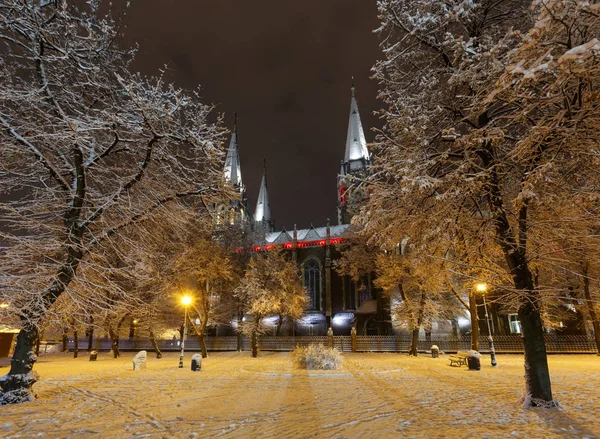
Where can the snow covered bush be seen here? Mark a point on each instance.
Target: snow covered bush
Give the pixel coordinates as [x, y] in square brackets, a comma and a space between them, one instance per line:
[317, 357]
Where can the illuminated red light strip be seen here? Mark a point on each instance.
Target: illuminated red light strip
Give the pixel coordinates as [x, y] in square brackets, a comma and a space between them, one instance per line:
[290, 245]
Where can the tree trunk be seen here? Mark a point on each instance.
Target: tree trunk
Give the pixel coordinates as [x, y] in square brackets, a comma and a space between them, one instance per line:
[474, 321]
[155, 345]
[16, 385]
[278, 326]
[114, 340]
[114, 337]
[414, 342]
[38, 341]
[240, 344]
[75, 344]
[65, 341]
[254, 341]
[254, 337]
[538, 389]
[90, 336]
[590, 304]
[132, 328]
[537, 375]
[200, 334]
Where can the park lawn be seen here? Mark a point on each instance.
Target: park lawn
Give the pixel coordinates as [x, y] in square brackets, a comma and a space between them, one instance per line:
[374, 395]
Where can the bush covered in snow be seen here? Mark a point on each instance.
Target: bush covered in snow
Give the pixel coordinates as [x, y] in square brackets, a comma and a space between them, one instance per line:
[317, 357]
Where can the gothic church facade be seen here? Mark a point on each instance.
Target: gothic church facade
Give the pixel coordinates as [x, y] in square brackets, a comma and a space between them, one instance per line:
[336, 301]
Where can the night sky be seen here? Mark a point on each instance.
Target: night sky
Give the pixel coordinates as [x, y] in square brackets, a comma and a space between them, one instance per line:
[285, 67]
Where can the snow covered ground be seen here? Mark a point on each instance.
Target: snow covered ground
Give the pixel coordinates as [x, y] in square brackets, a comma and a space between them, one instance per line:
[373, 396]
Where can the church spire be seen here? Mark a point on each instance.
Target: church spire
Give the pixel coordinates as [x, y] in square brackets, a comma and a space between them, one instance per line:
[262, 213]
[232, 170]
[356, 144]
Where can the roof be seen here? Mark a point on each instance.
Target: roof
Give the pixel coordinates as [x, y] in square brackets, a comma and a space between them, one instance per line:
[310, 234]
[367, 307]
[356, 144]
[232, 169]
[263, 209]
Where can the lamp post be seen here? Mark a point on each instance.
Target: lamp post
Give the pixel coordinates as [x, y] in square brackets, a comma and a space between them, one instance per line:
[482, 288]
[185, 301]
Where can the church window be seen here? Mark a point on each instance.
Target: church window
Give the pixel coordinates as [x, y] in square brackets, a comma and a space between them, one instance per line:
[349, 293]
[363, 294]
[311, 276]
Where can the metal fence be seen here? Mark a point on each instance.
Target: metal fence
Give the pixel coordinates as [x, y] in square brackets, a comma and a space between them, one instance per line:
[555, 344]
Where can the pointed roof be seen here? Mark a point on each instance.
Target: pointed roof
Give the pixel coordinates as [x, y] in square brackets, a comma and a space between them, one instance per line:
[356, 144]
[263, 209]
[232, 170]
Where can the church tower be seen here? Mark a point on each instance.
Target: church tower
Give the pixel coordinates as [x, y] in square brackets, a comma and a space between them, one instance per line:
[237, 211]
[354, 167]
[262, 213]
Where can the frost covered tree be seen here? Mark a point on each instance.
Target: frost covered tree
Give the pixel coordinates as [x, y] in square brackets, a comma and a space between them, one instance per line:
[89, 153]
[271, 287]
[422, 296]
[358, 258]
[491, 131]
[204, 270]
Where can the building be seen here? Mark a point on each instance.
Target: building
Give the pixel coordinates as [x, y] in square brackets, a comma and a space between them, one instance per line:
[335, 301]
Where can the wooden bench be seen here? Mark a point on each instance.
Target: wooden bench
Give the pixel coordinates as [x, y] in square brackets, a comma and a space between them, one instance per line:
[459, 358]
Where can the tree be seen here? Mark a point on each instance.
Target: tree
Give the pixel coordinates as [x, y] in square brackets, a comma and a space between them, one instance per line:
[422, 297]
[89, 153]
[489, 173]
[271, 286]
[203, 267]
[358, 258]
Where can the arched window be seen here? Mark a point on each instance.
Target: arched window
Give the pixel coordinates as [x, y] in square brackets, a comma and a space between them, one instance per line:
[311, 277]
[349, 293]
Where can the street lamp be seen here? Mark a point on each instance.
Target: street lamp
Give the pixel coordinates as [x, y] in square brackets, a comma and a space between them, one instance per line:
[185, 301]
[482, 288]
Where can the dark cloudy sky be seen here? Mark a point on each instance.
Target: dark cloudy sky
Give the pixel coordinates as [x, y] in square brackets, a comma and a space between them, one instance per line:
[285, 67]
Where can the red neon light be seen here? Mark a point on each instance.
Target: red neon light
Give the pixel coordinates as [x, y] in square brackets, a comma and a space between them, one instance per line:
[343, 190]
[290, 245]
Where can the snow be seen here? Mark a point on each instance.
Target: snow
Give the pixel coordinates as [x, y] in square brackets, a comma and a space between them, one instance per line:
[581, 51]
[236, 396]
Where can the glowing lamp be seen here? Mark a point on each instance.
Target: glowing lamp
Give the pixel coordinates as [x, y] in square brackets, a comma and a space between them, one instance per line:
[186, 300]
[482, 288]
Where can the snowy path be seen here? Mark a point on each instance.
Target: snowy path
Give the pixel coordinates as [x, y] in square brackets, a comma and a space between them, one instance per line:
[235, 396]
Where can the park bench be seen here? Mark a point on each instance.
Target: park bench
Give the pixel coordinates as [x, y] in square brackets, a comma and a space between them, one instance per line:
[459, 358]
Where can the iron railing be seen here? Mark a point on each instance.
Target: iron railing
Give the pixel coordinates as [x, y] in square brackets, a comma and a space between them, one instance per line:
[369, 343]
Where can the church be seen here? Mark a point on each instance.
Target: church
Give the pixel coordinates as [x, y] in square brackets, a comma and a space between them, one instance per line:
[336, 301]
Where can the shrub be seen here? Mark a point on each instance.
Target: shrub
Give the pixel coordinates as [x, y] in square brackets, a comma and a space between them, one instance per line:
[317, 357]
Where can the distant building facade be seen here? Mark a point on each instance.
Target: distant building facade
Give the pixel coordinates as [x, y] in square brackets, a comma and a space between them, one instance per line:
[336, 301]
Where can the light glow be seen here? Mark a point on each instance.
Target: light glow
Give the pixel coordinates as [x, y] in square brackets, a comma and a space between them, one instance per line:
[462, 322]
[186, 300]
[342, 319]
[482, 288]
[3, 305]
